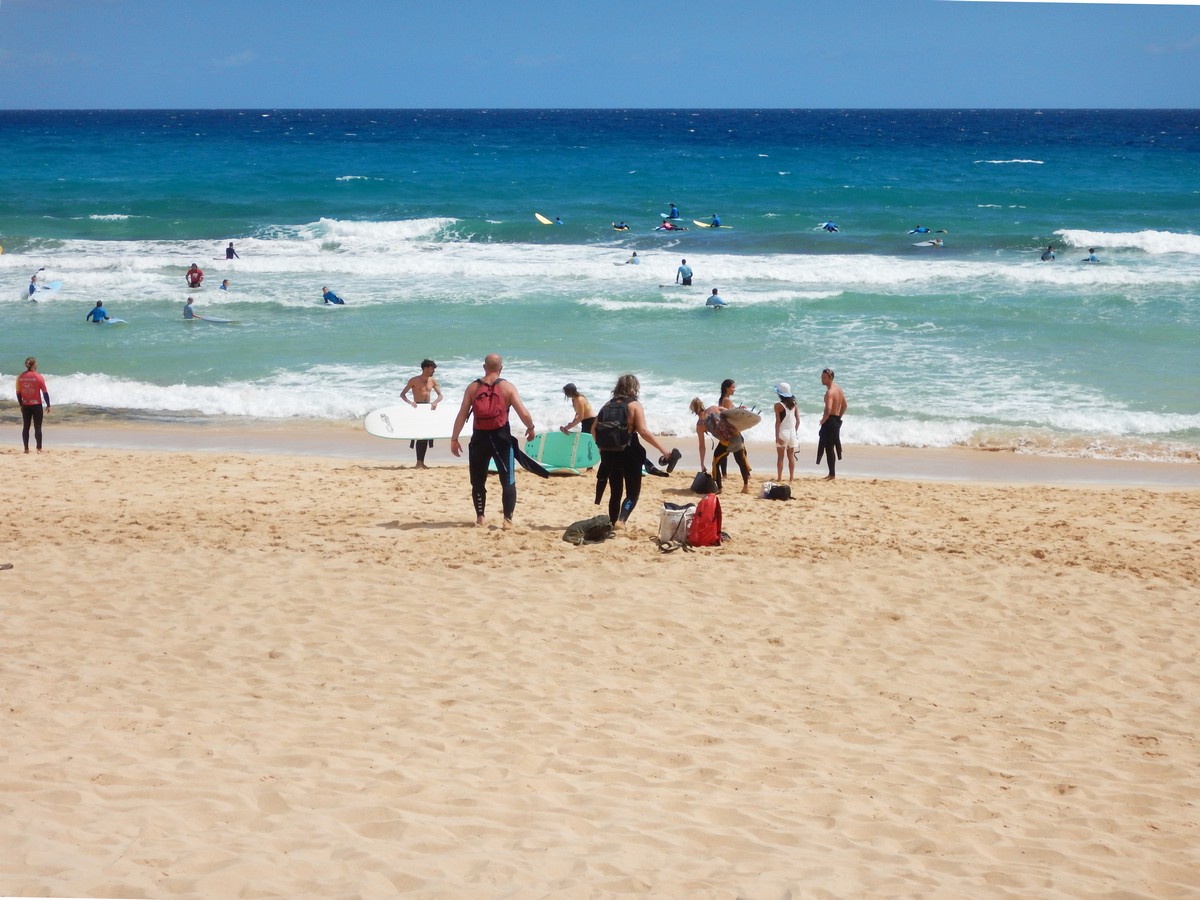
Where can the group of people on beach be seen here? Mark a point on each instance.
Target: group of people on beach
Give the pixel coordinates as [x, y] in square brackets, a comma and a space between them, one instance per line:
[619, 428]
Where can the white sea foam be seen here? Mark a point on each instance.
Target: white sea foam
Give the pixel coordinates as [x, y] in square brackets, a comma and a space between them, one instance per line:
[1156, 242]
[1010, 162]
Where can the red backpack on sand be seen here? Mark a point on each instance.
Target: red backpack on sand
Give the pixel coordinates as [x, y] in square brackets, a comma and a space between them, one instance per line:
[489, 406]
[706, 523]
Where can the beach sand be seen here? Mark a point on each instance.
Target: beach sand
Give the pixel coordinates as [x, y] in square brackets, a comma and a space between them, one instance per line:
[262, 675]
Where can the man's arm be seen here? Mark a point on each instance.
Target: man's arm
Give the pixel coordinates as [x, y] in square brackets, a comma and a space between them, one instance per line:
[404, 393]
[461, 419]
[701, 441]
[514, 399]
[437, 390]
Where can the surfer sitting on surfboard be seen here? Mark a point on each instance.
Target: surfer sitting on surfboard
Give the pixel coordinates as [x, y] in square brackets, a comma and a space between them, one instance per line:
[330, 297]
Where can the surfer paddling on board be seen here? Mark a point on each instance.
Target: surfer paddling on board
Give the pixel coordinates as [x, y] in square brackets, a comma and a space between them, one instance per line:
[331, 298]
[194, 275]
[829, 438]
[422, 387]
[488, 400]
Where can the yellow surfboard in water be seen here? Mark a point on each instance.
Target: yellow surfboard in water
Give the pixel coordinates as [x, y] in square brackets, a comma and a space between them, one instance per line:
[542, 219]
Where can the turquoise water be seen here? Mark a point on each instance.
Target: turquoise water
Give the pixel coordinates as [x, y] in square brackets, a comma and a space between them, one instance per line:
[423, 221]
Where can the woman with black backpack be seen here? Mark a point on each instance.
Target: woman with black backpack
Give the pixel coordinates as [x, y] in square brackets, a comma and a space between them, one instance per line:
[617, 428]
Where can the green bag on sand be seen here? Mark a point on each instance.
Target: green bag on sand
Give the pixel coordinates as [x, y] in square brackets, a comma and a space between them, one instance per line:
[589, 531]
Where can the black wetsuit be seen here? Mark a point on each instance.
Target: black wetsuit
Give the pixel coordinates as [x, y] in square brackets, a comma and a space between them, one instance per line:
[829, 442]
[488, 445]
[31, 414]
[622, 469]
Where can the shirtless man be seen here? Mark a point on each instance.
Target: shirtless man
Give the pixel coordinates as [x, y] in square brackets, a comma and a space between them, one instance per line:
[829, 441]
[422, 386]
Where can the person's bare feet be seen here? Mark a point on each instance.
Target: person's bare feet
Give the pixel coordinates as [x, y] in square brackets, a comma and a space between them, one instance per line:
[508, 523]
[420, 465]
[829, 478]
[480, 521]
[745, 488]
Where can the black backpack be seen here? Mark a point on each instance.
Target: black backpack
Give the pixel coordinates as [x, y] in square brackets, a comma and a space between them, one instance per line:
[612, 425]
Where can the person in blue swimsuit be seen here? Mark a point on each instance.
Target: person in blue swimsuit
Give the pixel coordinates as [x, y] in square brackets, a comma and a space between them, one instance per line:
[97, 314]
[330, 297]
[716, 221]
[673, 213]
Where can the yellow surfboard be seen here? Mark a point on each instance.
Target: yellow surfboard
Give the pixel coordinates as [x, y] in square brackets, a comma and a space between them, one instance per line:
[708, 224]
[542, 219]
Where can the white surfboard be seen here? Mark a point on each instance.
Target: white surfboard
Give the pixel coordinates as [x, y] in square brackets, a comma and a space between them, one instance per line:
[741, 418]
[412, 423]
[115, 322]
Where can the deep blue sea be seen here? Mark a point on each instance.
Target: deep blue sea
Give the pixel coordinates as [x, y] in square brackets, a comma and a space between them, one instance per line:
[423, 220]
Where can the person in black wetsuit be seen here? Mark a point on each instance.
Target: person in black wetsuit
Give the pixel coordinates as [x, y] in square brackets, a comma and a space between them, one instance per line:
[488, 400]
[829, 439]
[623, 468]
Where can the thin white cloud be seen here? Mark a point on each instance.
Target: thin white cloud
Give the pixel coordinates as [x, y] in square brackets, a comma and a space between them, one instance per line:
[1190, 46]
[236, 60]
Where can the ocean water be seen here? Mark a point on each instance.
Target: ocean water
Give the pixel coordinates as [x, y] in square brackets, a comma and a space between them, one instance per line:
[423, 220]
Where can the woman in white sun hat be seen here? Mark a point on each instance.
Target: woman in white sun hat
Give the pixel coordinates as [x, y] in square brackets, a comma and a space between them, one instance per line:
[787, 427]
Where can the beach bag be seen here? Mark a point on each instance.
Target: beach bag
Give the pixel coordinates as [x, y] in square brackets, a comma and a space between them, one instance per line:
[674, 522]
[489, 406]
[704, 483]
[705, 530]
[612, 425]
[773, 491]
[589, 531]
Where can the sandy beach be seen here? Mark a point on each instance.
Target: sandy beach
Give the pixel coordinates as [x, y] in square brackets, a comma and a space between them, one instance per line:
[234, 671]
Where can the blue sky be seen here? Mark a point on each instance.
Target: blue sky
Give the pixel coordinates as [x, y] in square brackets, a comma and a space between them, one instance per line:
[655, 53]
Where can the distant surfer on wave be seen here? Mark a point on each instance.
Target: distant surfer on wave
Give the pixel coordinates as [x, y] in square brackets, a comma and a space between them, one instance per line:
[330, 297]
[1048, 255]
[831, 227]
[620, 226]
[194, 275]
[230, 253]
[715, 301]
[1091, 257]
